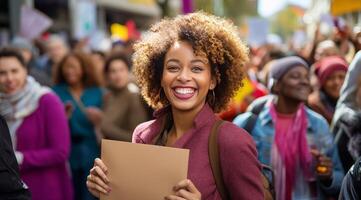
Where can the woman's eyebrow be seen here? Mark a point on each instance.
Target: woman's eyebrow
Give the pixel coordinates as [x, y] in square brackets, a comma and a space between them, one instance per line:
[199, 60]
[172, 60]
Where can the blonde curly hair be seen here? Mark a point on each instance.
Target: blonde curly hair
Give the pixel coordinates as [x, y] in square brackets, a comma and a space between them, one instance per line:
[212, 36]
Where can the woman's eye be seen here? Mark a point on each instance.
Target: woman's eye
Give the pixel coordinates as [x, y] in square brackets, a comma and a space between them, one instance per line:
[295, 76]
[172, 68]
[197, 69]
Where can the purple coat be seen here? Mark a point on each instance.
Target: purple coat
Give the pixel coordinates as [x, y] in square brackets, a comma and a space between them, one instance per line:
[44, 140]
[238, 156]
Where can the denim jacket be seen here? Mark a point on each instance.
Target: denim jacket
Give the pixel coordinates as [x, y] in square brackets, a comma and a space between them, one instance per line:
[318, 134]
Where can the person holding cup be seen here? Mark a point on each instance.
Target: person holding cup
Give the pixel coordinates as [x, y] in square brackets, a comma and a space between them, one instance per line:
[293, 139]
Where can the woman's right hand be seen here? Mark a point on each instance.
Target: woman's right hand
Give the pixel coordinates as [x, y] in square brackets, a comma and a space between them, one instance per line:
[97, 181]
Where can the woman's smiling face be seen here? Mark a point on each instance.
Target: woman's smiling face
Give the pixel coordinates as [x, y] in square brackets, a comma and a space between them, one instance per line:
[186, 77]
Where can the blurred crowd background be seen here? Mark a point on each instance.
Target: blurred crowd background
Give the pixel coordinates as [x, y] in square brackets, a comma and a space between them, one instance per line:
[82, 50]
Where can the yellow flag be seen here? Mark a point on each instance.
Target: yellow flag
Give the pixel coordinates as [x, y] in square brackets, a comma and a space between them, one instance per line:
[244, 91]
[119, 31]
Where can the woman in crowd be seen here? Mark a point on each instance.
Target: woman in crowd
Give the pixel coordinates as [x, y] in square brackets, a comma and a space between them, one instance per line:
[29, 53]
[347, 118]
[98, 59]
[182, 66]
[331, 72]
[123, 109]
[77, 86]
[289, 136]
[38, 128]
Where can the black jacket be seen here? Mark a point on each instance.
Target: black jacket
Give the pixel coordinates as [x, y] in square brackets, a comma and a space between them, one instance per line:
[351, 186]
[11, 186]
[347, 131]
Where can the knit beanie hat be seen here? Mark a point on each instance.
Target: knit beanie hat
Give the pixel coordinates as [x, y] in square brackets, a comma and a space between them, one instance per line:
[21, 43]
[328, 65]
[282, 66]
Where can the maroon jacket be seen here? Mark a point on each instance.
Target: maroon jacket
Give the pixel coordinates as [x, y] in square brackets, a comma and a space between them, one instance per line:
[238, 155]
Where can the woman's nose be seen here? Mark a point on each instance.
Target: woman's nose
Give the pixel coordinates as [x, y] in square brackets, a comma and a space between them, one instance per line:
[184, 75]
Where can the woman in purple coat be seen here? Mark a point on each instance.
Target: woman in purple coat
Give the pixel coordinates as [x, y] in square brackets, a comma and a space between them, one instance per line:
[38, 129]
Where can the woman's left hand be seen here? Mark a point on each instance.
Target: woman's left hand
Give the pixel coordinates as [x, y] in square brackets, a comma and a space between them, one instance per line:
[185, 190]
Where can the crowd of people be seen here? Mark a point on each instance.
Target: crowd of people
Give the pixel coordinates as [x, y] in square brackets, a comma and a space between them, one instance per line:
[299, 111]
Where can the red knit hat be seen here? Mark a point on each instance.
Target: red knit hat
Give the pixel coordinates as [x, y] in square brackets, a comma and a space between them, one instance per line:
[328, 65]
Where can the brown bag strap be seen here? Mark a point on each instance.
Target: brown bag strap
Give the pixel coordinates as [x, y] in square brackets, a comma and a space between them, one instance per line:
[213, 154]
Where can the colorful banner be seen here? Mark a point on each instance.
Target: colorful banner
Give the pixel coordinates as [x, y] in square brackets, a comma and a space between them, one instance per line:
[33, 23]
[340, 7]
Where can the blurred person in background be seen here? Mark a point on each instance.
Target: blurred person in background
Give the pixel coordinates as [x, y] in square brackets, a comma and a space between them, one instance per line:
[98, 58]
[331, 72]
[56, 49]
[77, 85]
[29, 53]
[293, 139]
[324, 49]
[11, 186]
[38, 128]
[347, 118]
[123, 109]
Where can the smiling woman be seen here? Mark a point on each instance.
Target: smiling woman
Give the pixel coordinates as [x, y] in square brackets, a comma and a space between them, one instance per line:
[186, 78]
[38, 128]
[292, 138]
[188, 68]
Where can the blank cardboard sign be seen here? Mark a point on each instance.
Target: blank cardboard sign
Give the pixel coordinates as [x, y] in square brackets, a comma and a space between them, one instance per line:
[140, 171]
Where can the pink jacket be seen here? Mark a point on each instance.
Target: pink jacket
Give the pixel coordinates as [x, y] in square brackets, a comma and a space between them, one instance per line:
[238, 156]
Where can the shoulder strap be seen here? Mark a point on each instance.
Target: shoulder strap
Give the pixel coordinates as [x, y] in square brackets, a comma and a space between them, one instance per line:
[213, 154]
[251, 122]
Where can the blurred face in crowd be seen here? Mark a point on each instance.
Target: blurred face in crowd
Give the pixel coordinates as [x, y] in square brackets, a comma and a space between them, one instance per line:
[118, 74]
[333, 84]
[72, 71]
[12, 75]
[186, 77]
[26, 55]
[98, 61]
[322, 52]
[295, 84]
[56, 50]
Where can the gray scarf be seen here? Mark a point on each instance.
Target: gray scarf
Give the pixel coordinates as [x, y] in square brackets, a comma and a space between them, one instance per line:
[15, 107]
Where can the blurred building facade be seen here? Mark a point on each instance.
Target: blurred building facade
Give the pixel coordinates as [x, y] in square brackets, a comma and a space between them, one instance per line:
[67, 19]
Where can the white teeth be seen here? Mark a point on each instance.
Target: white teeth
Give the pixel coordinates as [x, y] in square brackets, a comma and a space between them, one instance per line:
[184, 90]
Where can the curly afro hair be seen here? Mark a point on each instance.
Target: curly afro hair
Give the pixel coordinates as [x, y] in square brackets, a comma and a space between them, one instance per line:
[209, 35]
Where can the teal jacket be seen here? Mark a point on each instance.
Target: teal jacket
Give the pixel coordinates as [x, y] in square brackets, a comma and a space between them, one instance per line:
[84, 146]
